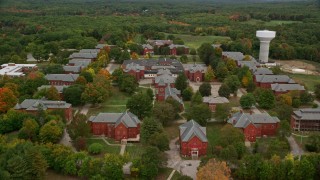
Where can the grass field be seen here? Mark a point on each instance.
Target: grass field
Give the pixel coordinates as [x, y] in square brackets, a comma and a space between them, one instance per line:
[269, 23]
[308, 80]
[135, 151]
[172, 130]
[196, 41]
[106, 148]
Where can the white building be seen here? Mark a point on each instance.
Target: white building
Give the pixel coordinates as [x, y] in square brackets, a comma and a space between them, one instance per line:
[16, 70]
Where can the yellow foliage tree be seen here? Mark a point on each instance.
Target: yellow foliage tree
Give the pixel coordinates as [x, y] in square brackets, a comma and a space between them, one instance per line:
[135, 56]
[209, 75]
[214, 170]
[231, 64]
[91, 71]
[286, 99]
[105, 73]
[245, 81]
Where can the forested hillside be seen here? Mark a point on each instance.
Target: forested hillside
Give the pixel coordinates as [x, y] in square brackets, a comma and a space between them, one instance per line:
[44, 27]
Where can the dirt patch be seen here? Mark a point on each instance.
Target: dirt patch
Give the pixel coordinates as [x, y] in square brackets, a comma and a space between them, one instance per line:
[290, 65]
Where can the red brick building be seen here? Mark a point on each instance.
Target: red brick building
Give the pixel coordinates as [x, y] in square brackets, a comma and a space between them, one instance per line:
[118, 126]
[286, 88]
[33, 105]
[255, 125]
[135, 70]
[265, 81]
[59, 89]
[195, 72]
[306, 120]
[174, 49]
[147, 49]
[212, 102]
[61, 79]
[193, 139]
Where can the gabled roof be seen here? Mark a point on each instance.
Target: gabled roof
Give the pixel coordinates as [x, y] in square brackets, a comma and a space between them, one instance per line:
[33, 104]
[195, 67]
[308, 114]
[242, 120]
[173, 92]
[190, 129]
[133, 66]
[89, 51]
[62, 77]
[262, 71]
[165, 78]
[127, 118]
[75, 60]
[164, 71]
[75, 69]
[151, 65]
[252, 65]
[177, 46]
[274, 79]
[286, 87]
[237, 56]
[100, 46]
[159, 42]
[148, 46]
[215, 100]
[59, 88]
[84, 55]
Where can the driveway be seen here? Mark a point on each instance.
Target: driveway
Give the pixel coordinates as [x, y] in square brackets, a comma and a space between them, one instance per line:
[214, 87]
[111, 67]
[295, 148]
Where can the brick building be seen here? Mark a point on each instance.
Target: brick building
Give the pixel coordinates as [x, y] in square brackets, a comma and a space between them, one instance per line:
[255, 125]
[195, 72]
[58, 88]
[116, 125]
[33, 105]
[212, 102]
[285, 88]
[265, 81]
[306, 120]
[193, 139]
[61, 79]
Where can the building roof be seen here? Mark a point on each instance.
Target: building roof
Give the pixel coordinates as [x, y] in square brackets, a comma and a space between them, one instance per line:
[164, 78]
[262, 71]
[173, 92]
[74, 69]
[215, 100]
[89, 51]
[242, 120]
[286, 87]
[100, 46]
[33, 104]
[62, 77]
[164, 71]
[75, 60]
[157, 42]
[91, 55]
[59, 88]
[274, 79]
[177, 46]
[308, 114]
[127, 118]
[237, 56]
[195, 67]
[190, 129]
[148, 46]
[133, 66]
[152, 65]
[12, 69]
[252, 65]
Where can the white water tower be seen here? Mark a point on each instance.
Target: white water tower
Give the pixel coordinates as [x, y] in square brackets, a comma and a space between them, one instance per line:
[265, 37]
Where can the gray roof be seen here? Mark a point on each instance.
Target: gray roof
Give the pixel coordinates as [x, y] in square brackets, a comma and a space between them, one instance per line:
[237, 56]
[58, 88]
[195, 67]
[152, 65]
[173, 92]
[89, 51]
[308, 114]
[165, 78]
[62, 77]
[190, 129]
[74, 69]
[274, 79]
[100, 46]
[84, 55]
[215, 100]
[133, 66]
[286, 87]
[127, 118]
[252, 65]
[242, 120]
[215, 45]
[262, 71]
[75, 60]
[148, 46]
[164, 71]
[177, 46]
[159, 42]
[33, 104]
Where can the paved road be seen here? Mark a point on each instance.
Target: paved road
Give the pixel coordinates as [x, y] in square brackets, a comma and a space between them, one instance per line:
[173, 155]
[66, 140]
[295, 148]
[85, 109]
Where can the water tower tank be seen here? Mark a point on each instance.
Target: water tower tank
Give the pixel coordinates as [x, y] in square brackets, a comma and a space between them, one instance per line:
[265, 37]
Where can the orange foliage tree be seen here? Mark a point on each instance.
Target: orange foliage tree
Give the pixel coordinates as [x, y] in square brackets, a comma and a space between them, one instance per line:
[7, 99]
[215, 170]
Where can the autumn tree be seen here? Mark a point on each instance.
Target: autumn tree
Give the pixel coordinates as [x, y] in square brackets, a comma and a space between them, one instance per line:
[215, 170]
[29, 130]
[134, 56]
[13, 87]
[53, 94]
[94, 93]
[7, 99]
[79, 127]
[81, 80]
[231, 64]
[209, 74]
[51, 132]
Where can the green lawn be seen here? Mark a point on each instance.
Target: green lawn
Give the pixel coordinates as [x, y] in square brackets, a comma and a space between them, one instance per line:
[308, 80]
[106, 148]
[164, 173]
[268, 147]
[213, 134]
[196, 41]
[134, 151]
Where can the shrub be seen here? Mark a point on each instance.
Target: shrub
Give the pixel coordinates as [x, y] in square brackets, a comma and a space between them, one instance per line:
[95, 148]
